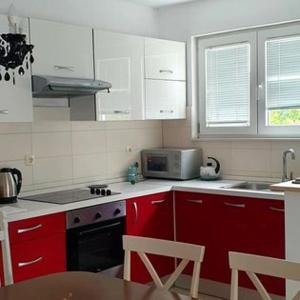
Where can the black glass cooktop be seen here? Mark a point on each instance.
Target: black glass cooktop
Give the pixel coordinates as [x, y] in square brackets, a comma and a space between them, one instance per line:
[65, 197]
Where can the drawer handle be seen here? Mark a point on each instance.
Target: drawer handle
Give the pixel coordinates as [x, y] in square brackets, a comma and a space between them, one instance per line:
[28, 263]
[276, 209]
[166, 71]
[170, 111]
[125, 112]
[135, 211]
[23, 230]
[65, 68]
[158, 202]
[242, 205]
[196, 201]
[4, 112]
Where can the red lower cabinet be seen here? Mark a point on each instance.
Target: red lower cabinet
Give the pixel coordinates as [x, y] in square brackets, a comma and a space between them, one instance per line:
[226, 223]
[150, 216]
[38, 246]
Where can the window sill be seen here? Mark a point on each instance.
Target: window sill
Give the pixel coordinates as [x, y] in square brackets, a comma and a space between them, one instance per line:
[205, 138]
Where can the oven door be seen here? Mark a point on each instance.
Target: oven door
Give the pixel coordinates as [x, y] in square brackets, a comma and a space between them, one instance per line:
[96, 247]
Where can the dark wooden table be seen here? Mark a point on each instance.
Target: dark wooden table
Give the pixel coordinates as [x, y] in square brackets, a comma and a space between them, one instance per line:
[83, 286]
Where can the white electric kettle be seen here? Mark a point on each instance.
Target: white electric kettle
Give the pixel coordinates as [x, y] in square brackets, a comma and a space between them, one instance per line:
[210, 172]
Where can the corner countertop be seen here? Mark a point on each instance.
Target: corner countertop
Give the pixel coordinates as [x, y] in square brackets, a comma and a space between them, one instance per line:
[286, 187]
[24, 209]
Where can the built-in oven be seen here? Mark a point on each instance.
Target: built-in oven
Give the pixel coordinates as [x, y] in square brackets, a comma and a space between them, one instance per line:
[94, 238]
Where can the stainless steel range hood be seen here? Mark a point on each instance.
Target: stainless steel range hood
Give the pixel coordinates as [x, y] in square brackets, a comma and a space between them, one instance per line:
[61, 87]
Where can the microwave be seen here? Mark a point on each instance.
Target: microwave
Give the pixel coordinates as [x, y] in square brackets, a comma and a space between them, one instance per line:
[168, 163]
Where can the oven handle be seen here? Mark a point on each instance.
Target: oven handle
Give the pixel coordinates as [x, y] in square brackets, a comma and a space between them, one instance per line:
[82, 233]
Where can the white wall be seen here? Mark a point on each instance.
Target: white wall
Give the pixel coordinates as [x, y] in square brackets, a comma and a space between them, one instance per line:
[115, 15]
[204, 16]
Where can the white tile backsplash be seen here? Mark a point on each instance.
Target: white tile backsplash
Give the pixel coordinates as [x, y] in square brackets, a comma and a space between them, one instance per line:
[92, 165]
[52, 144]
[88, 142]
[52, 169]
[14, 146]
[75, 152]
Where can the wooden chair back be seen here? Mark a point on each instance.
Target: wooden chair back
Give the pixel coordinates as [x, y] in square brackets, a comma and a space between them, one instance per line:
[255, 264]
[186, 252]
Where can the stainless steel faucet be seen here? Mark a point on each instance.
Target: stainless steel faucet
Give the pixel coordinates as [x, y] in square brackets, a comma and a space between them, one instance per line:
[293, 156]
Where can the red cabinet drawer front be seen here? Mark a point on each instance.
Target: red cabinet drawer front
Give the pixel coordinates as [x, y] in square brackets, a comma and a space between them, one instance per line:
[35, 228]
[40, 257]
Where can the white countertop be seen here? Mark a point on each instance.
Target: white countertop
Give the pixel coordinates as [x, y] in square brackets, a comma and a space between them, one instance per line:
[27, 209]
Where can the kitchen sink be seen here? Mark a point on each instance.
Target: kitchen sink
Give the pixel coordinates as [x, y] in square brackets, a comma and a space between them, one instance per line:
[253, 186]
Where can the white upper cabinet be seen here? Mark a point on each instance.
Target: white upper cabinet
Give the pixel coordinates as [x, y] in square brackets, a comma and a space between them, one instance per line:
[62, 49]
[165, 99]
[119, 59]
[165, 59]
[15, 100]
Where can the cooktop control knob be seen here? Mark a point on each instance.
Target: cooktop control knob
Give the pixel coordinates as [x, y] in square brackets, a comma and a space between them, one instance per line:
[98, 216]
[117, 211]
[103, 192]
[92, 190]
[108, 192]
[98, 191]
[76, 220]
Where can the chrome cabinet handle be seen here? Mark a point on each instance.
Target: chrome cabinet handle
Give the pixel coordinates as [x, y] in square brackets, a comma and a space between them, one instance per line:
[126, 112]
[158, 201]
[276, 209]
[65, 68]
[195, 201]
[166, 71]
[4, 112]
[135, 210]
[242, 205]
[170, 111]
[23, 230]
[28, 263]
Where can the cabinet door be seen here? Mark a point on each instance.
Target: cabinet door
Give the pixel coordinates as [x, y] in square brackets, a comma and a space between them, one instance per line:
[165, 99]
[165, 59]
[39, 257]
[271, 238]
[15, 100]
[62, 49]
[196, 223]
[119, 60]
[150, 216]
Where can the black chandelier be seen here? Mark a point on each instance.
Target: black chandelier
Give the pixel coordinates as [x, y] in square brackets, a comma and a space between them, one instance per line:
[14, 53]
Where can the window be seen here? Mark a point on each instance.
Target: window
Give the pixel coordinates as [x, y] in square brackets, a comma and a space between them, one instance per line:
[228, 85]
[279, 79]
[249, 83]
[226, 74]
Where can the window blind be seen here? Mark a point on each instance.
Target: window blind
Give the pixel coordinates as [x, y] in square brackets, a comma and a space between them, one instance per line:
[228, 85]
[283, 73]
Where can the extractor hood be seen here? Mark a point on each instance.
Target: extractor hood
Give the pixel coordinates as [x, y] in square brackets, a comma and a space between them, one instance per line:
[61, 87]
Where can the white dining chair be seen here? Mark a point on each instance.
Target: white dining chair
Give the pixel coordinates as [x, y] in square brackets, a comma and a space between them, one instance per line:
[183, 251]
[255, 264]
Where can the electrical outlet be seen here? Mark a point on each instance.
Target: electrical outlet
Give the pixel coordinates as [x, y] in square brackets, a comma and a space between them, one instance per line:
[129, 148]
[29, 160]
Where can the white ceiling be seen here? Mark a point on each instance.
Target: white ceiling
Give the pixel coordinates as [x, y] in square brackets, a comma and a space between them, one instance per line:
[158, 3]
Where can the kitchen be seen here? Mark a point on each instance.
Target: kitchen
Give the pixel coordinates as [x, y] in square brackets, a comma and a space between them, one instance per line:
[47, 139]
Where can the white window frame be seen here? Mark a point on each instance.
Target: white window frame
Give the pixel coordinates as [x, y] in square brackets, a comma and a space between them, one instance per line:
[264, 35]
[223, 40]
